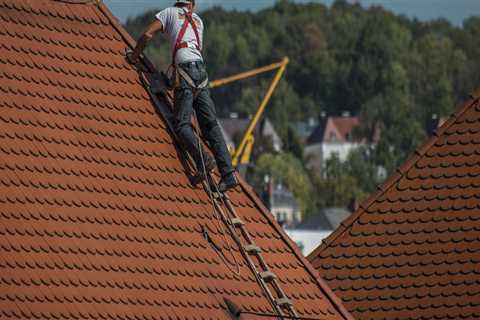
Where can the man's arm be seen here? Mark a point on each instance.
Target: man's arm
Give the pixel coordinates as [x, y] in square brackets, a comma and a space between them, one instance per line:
[148, 35]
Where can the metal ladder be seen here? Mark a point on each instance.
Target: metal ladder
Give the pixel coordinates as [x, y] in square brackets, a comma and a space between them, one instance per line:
[267, 280]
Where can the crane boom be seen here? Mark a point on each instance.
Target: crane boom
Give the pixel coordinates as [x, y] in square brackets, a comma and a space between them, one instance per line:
[241, 155]
[248, 74]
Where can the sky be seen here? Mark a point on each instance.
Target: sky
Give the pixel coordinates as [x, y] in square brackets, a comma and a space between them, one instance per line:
[454, 10]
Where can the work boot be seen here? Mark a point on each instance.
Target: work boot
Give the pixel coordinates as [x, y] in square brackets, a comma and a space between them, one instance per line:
[200, 175]
[228, 182]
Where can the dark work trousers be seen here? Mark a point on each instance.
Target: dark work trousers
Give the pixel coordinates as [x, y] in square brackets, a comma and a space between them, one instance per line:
[187, 99]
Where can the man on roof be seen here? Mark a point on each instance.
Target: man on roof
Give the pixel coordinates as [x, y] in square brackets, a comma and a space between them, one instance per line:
[184, 29]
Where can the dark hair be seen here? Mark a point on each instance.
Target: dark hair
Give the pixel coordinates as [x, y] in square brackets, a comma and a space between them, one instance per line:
[181, 5]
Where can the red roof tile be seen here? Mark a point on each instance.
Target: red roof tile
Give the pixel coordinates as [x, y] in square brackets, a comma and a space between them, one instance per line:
[344, 126]
[412, 251]
[98, 219]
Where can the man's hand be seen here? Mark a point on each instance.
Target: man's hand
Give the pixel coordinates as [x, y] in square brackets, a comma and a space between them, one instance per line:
[134, 56]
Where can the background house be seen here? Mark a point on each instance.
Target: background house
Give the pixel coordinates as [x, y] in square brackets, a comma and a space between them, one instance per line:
[284, 207]
[234, 129]
[305, 128]
[310, 233]
[326, 219]
[332, 136]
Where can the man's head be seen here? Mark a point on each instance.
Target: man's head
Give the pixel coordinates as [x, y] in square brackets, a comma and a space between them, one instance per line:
[185, 3]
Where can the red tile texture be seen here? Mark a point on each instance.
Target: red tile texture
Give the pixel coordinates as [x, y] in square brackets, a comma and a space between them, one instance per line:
[412, 251]
[98, 219]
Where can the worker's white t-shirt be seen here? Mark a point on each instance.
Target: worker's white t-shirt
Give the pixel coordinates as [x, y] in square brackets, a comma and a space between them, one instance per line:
[172, 20]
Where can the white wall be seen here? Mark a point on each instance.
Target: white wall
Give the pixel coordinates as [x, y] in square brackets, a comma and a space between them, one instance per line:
[321, 152]
[308, 239]
[341, 149]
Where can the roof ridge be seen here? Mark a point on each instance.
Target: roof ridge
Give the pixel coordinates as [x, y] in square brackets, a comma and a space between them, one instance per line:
[114, 21]
[79, 1]
[473, 98]
[121, 30]
[329, 294]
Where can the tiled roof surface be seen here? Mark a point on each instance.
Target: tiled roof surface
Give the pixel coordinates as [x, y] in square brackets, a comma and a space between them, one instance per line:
[412, 251]
[98, 219]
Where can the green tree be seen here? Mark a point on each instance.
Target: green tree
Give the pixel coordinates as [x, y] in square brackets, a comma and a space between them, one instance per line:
[338, 186]
[286, 169]
[435, 67]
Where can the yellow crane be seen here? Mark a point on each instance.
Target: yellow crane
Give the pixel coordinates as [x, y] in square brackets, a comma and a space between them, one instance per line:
[241, 155]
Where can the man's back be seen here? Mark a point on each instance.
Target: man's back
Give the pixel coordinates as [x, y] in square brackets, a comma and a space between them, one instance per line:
[185, 32]
[173, 20]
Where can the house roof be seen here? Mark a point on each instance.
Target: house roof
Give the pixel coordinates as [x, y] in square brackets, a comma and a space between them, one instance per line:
[98, 219]
[412, 250]
[282, 197]
[235, 128]
[326, 219]
[334, 129]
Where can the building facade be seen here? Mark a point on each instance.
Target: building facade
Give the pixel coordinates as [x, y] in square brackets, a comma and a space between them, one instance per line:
[332, 136]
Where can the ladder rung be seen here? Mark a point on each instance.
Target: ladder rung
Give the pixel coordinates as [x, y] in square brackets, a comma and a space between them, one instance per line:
[237, 222]
[252, 249]
[268, 276]
[217, 196]
[283, 302]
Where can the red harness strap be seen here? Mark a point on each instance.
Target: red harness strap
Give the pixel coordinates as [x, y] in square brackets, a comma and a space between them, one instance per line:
[180, 43]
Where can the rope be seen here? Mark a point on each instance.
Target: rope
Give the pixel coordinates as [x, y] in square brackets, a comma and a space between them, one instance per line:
[217, 215]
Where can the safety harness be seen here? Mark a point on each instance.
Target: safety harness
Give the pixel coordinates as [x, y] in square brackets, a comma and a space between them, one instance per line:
[180, 44]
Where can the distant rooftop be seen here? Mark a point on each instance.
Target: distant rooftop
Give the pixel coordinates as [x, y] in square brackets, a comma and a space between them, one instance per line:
[334, 130]
[326, 219]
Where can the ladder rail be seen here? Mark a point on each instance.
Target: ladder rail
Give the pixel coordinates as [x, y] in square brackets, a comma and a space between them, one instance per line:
[227, 219]
[247, 257]
[259, 256]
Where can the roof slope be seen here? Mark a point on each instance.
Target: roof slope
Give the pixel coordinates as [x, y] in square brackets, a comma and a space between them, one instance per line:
[97, 217]
[412, 251]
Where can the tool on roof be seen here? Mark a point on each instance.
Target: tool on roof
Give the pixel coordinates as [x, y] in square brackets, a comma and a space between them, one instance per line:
[226, 213]
[241, 155]
[235, 311]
